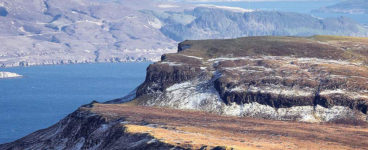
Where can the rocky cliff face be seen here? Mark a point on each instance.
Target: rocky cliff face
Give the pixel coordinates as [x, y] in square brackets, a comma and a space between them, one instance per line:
[314, 79]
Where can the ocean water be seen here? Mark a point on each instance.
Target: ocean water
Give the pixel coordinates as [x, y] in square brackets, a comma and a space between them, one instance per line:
[305, 7]
[46, 94]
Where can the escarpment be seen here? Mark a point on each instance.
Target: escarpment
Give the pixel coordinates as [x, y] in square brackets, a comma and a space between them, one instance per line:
[320, 78]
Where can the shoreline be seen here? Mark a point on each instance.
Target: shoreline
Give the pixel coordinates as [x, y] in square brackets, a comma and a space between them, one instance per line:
[59, 64]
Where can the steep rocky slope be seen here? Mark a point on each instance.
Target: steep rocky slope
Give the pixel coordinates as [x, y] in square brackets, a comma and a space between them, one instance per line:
[37, 32]
[120, 126]
[320, 78]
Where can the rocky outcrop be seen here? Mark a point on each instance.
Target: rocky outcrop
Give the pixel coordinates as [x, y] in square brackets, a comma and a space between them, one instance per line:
[161, 76]
[4, 75]
[321, 78]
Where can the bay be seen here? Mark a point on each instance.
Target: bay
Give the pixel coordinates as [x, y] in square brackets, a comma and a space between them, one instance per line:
[46, 94]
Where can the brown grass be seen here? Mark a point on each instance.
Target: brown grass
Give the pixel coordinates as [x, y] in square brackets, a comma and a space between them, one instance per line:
[326, 38]
[194, 129]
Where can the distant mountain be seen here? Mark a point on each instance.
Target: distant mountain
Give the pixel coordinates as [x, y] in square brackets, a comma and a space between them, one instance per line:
[350, 7]
[36, 32]
[213, 23]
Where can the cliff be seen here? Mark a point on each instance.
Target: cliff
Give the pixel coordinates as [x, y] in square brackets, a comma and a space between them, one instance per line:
[315, 79]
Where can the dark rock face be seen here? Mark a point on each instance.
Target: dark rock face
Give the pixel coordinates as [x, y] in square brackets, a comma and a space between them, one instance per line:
[328, 101]
[284, 78]
[183, 47]
[160, 76]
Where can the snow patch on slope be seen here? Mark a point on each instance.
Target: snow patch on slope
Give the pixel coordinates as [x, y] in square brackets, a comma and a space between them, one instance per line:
[300, 113]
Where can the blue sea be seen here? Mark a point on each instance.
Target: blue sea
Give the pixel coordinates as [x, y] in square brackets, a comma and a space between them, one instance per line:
[46, 94]
[305, 7]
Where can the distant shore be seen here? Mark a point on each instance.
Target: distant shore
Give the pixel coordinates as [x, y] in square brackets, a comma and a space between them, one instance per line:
[70, 63]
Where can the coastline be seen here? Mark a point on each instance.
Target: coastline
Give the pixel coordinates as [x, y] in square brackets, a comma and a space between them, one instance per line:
[72, 63]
